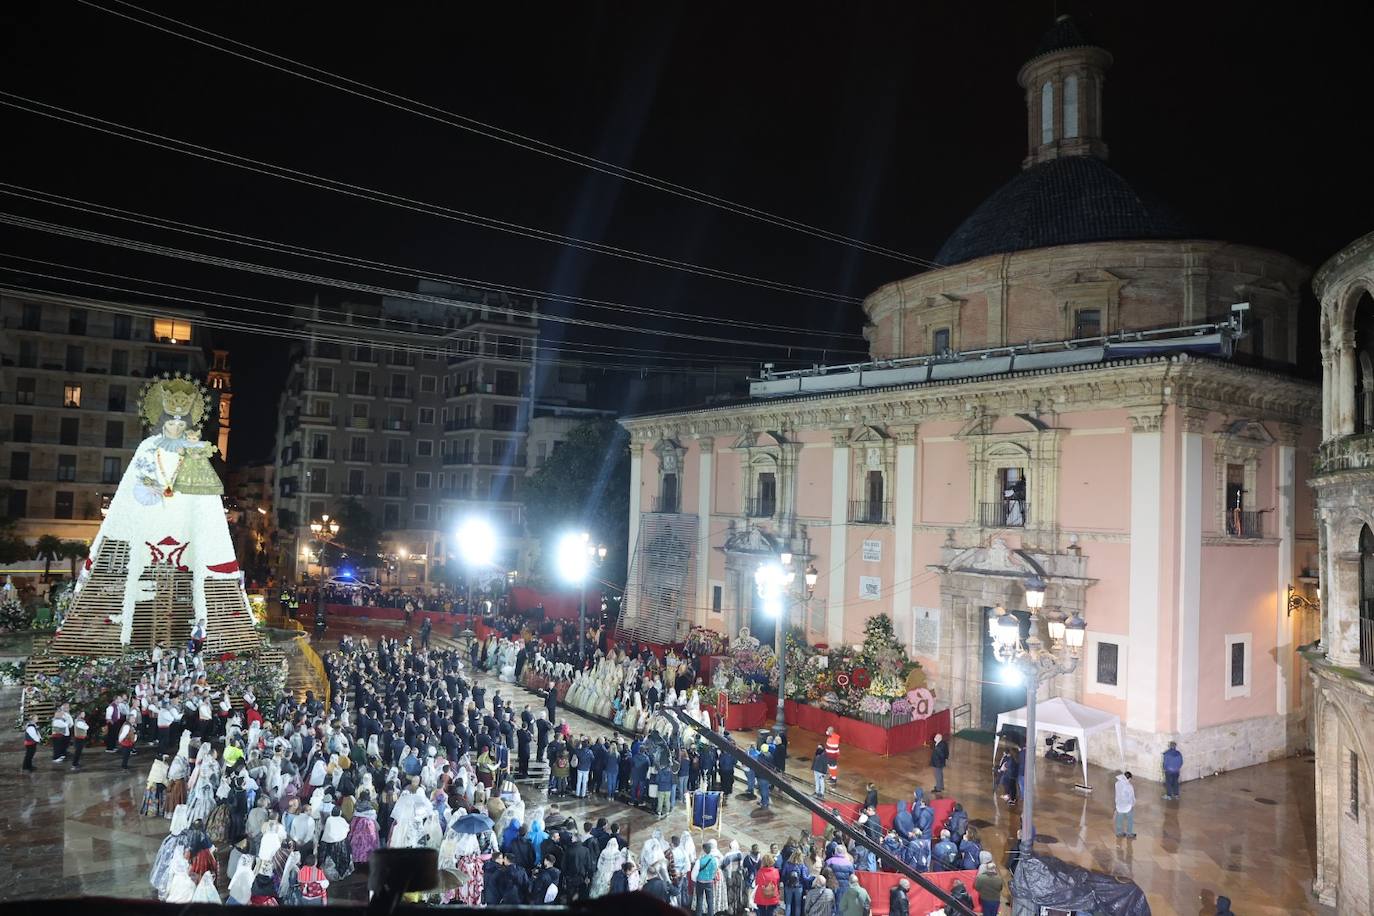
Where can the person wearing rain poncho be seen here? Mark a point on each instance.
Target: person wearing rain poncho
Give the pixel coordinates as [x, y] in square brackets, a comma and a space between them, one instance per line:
[612, 857]
[537, 834]
[181, 887]
[461, 855]
[653, 850]
[173, 847]
[241, 884]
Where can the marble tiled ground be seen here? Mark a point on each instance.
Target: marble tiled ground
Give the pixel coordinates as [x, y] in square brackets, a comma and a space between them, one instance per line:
[1248, 834]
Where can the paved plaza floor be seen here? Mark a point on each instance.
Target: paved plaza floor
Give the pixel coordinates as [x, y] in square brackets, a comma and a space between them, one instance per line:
[1248, 834]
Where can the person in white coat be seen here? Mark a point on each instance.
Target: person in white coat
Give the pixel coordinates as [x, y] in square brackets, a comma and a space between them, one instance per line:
[1125, 806]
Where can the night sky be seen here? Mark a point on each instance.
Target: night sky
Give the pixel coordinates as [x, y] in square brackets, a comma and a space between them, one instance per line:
[885, 122]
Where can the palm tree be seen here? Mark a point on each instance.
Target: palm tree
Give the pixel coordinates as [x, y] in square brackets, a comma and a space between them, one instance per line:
[48, 548]
[75, 551]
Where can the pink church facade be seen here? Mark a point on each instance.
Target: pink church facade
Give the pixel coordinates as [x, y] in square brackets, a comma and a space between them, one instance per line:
[1085, 408]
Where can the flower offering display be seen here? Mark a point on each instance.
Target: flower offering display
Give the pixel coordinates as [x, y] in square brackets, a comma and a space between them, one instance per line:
[704, 641]
[13, 615]
[868, 681]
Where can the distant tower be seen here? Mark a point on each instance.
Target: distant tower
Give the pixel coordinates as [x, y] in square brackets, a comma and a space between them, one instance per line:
[218, 379]
[1063, 82]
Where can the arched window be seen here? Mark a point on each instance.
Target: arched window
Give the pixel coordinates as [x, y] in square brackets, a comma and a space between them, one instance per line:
[1047, 112]
[1364, 361]
[1070, 107]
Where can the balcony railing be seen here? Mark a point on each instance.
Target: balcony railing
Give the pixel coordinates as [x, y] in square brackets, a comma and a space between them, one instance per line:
[398, 426]
[870, 512]
[1005, 513]
[1243, 524]
[307, 419]
[668, 504]
[403, 393]
[760, 507]
[360, 456]
[365, 490]
[1367, 642]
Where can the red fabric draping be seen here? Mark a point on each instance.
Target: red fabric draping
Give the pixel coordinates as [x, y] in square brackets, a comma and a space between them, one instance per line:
[865, 735]
[557, 605]
[879, 885]
[746, 715]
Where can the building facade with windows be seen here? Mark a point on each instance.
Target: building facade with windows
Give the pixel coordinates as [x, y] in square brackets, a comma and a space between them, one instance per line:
[1342, 663]
[70, 376]
[1074, 395]
[421, 416]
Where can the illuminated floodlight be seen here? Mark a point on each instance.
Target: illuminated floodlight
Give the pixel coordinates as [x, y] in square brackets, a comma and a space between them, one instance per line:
[477, 542]
[572, 558]
[1012, 676]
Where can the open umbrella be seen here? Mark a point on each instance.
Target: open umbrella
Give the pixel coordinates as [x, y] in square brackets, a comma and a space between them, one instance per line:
[471, 823]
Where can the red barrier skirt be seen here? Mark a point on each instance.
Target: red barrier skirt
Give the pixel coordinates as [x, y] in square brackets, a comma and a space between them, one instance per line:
[746, 715]
[879, 885]
[865, 735]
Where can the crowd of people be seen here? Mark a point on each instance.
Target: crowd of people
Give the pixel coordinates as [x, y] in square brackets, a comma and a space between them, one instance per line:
[437, 599]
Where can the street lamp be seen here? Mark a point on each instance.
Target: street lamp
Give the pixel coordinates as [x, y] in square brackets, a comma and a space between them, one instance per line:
[576, 556]
[1030, 662]
[319, 528]
[774, 581]
[477, 547]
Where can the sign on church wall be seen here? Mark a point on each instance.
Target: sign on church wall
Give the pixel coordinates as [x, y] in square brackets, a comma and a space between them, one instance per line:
[870, 588]
[873, 551]
[925, 631]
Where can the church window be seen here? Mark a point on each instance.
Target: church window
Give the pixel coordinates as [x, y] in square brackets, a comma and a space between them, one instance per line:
[1070, 107]
[1107, 657]
[1238, 648]
[1047, 113]
[939, 341]
[1087, 323]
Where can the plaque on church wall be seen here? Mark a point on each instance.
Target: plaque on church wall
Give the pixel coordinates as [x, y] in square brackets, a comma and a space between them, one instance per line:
[925, 631]
[870, 588]
[873, 551]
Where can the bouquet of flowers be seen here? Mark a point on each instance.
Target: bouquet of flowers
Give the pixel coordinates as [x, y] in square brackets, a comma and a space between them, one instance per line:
[704, 641]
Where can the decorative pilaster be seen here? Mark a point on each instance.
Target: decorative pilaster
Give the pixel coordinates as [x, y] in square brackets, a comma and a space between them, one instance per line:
[1146, 466]
[835, 570]
[1285, 474]
[904, 521]
[1191, 424]
[706, 488]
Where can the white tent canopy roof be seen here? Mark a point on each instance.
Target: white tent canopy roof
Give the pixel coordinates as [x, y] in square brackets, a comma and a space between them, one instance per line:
[1066, 718]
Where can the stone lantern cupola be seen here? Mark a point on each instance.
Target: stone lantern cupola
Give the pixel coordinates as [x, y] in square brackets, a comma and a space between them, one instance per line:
[1063, 83]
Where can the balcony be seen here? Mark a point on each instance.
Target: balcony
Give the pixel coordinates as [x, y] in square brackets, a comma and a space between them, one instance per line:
[321, 454]
[397, 426]
[404, 394]
[1243, 524]
[395, 492]
[1346, 453]
[870, 512]
[358, 423]
[1005, 513]
[665, 505]
[365, 490]
[317, 388]
[307, 419]
[760, 507]
[363, 391]
[395, 458]
[361, 456]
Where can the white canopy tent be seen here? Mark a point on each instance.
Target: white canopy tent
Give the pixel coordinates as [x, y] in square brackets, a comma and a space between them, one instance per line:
[1067, 718]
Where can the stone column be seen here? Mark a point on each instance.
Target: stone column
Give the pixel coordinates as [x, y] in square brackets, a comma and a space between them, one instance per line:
[1143, 679]
[836, 573]
[1191, 423]
[904, 521]
[706, 487]
[1285, 473]
[1328, 390]
[636, 486]
[1345, 390]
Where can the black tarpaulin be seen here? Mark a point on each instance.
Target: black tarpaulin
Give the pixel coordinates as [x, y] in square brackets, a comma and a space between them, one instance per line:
[1047, 881]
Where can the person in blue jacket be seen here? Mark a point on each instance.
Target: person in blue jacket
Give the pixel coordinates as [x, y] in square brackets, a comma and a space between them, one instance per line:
[1173, 765]
[917, 852]
[946, 853]
[903, 822]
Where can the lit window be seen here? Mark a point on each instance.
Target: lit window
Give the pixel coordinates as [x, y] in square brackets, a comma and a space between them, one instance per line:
[171, 330]
[71, 396]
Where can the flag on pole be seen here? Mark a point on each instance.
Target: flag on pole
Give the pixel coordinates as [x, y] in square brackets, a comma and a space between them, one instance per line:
[705, 809]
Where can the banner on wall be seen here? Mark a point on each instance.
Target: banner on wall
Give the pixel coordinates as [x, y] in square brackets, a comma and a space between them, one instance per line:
[925, 631]
[873, 551]
[870, 588]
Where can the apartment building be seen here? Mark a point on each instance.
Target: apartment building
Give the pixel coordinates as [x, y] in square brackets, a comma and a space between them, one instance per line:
[70, 374]
[421, 417]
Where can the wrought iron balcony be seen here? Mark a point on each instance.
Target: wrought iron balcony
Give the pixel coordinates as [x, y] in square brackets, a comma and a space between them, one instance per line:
[1005, 513]
[761, 507]
[870, 512]
[666, 504]
[1244, 524]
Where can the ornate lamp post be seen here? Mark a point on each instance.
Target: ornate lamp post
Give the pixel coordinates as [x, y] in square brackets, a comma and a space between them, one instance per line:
[318, 528]
[774, 581]
[577, 557]
[1033, 664]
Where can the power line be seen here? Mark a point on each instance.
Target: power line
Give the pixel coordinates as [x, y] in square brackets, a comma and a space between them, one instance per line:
[399, 102]
[223, 235]
[316, 279]
[187, 148]
[389, 334]
[99, 305]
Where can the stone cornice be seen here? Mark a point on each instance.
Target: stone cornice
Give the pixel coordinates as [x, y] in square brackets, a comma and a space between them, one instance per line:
[1328, 273]
[1149, 383]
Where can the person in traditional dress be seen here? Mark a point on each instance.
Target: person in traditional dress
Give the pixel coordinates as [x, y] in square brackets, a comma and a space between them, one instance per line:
[177, 773]
[181, 887]
[335, 856]
[155, 789]
[173, 846]
[362, 832]
[606, 866]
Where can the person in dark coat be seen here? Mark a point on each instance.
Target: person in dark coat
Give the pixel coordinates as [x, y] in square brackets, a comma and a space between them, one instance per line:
[657, 885]
[620, 881]
[1224, 906]
[522, 850]
[505, 883]
[578, 865]
[542, 728]
[819, 767]
[522, 744]
[939, 757]
[549, 876]
[899, 904]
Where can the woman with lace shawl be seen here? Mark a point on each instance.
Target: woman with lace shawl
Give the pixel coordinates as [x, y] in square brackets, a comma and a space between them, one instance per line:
[202, 784]
[461, 854]
[335, 856]
[177, 772]
[181, 887]
[362, 833]
[173, 846]
[736, 886]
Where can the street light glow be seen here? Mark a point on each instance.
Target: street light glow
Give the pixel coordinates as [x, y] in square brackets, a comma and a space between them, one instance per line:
[1012, 676]
[572, 558]
[477, 542]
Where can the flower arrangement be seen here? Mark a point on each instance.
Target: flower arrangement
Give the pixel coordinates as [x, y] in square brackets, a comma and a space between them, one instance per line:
[13, 615]
[875, 705]
[869, 679]
[747, 672]
[704, 641]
